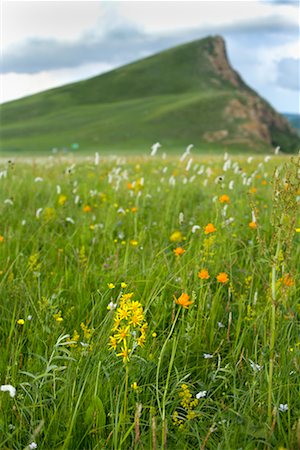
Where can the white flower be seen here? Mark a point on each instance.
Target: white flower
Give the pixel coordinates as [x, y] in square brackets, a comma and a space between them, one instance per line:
[201, 394]
[58, 189]
[8, 388]
[38, 179]
[23, 222]
[207, 356]
[29, 317]
[70, 220]
[267, 158]
[8, 201]
[255, 367]
[220, 325]
[38, 212]
[111, 306]
[188, 166]
[32, 445]
[181, 218]
[195, 228]
[283, 407]
[154, 148]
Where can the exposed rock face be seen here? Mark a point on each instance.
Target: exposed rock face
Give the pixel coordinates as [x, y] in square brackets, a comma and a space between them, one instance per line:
[219, 61]
[254, 118]
[213, 136]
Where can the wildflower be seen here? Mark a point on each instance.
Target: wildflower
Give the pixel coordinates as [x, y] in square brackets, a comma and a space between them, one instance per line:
[201, 394]
[207, 356]
[224, 198]
[87, 208]
[125, 354]
[70, 220]
[134, 209]
[154, 334]
[283, 407]
[87, 332]
[111, 306]
[297, 230]
[176, 236]
[255, 367]
[32, 445]
[195, 228]
[111, 285]
[38, 212]
[8, 388]
[57, 316]
[252, 190]
[220, 325]
[134, 386]
[123, 285]
[222, 277]
[253, 225]
[210, 228]
[133, 242]
[179, 251]
[62, 199]
[183, 300]
[20, 322]
[288, 281]
[203, 274]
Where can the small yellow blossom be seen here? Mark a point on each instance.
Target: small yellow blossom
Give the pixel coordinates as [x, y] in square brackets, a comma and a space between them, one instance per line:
[176, 236]
[154, 334]
[210, 228]
[123, 285]
[133, 242]
[252, 190]
[183, 300]
[62, 199]
[134, 386]
[20, 322]
[111, 285]
[57, 316]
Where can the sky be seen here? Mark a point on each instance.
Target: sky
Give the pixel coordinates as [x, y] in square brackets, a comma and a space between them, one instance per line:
[45, 44]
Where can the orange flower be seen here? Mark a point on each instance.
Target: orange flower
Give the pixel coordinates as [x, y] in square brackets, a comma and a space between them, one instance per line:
[224, 199]
[252, 190]
[210, 228]
[222, 277]
[203, 274]
[253, 225]
[87, 208]
[183, 300]
[134, 209]
[1, 238]
[179, 251]
[288, 281]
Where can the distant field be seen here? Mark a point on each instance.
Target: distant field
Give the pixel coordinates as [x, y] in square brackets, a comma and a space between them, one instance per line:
[149, 302]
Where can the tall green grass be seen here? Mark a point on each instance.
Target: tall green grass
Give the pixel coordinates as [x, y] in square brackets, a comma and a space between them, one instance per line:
[72, 233]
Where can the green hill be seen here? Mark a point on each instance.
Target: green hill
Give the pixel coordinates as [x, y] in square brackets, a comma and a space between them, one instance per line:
[188, 94]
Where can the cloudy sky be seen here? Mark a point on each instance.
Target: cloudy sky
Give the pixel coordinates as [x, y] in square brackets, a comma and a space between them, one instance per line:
[49, 43]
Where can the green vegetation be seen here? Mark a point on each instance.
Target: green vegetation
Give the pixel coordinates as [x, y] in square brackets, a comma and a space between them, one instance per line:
[178, 97]
[209, 248]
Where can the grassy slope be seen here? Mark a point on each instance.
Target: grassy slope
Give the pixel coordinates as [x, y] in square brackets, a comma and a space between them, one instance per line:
[163, 97]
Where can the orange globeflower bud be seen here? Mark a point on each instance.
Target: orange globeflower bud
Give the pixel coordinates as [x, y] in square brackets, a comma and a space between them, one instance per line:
[222, 277]
[183, 300]
[203, 274]
[210, 228]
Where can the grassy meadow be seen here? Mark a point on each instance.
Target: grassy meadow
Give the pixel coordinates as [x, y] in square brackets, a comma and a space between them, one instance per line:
[150, 303]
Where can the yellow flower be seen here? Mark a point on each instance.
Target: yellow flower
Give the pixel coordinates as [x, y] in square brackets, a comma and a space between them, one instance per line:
[183, 300]
[123, 285]
[87, 208]
[253, 225]
[111, 285]
[134, 386]
[222, 277]
[122, 334]
[62, 199]
[113, 343]
[154, 334]
[176, 236]
[203, 274]
[179, 251]
[133, 242]
[124, 353]
[210, 228]
[224, 198]
[297, 230]
[20, 322]
[58, 317]
[134, 209]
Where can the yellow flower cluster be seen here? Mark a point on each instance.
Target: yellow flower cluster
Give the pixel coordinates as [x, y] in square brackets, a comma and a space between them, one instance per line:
[129, 329]
[188, 404]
